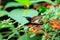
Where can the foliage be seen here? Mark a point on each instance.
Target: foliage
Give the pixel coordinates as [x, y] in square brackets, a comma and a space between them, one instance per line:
[23, 22]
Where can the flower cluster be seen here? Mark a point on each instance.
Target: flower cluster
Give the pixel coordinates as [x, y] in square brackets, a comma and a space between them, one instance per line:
[55, 23]
[34, 29]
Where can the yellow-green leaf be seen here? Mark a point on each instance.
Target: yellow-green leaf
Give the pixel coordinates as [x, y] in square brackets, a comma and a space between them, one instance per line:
[24, 2]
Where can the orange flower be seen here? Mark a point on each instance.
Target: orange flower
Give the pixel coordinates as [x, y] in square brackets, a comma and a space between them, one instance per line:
[55, 23]
[34, 29]
[48, 6]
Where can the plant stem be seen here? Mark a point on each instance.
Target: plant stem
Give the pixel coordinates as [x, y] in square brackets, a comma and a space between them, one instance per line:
[0, 2]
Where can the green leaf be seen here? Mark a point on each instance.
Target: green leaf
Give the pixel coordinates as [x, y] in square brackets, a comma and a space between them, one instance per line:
[3, 13]
[27, 37]
[40, 8]
[57, 38]
[10, 36]
[18, 16]
[54, 36]
[36, 1]
[57, 1]
[12, 4]
[1, 38]
[30, 13]
[24, 2]
[5, 26]
[19, 19]
[28, 2]
[47, 27]
[1, 7]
